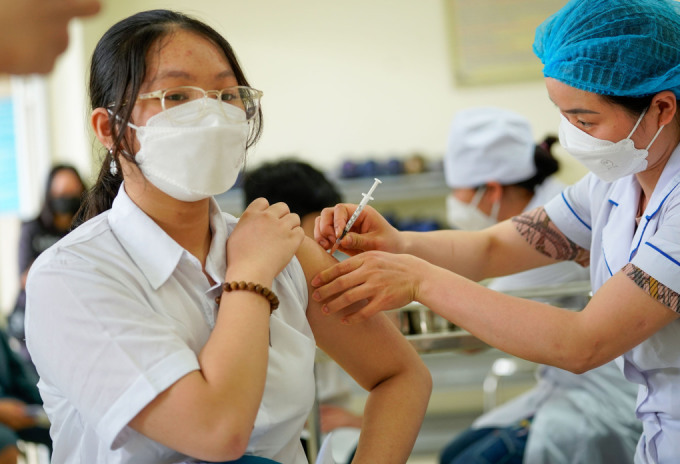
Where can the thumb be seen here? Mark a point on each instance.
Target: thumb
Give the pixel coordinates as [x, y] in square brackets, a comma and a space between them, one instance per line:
[358, 242]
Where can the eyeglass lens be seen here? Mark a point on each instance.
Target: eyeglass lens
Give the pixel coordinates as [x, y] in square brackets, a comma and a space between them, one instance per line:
[241, 97]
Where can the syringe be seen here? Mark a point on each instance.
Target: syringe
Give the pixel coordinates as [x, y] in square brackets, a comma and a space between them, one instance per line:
[350, 223]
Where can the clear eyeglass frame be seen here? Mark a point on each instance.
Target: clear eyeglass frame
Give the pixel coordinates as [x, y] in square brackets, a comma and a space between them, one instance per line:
[243, 97]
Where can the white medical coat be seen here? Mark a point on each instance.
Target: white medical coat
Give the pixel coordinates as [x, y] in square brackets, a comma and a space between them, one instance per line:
[600, 216]
[117, 312]
[587, 418]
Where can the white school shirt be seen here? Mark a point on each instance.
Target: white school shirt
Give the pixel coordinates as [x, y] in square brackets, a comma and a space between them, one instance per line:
[600, 216]
[574, 415]
[117, 312]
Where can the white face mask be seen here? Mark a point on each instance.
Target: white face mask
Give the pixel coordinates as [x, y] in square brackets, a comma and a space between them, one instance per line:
[607, 160]
[193, 151]
[466, 216]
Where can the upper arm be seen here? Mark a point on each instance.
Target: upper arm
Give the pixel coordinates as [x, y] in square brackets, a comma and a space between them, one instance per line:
[371, 351]
[621, 315]
[541, 233]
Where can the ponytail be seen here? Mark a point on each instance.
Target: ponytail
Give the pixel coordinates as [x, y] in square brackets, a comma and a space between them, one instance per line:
[546, 164]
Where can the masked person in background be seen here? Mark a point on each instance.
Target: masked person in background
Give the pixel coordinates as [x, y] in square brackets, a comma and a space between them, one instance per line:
[612, 69]
[64, 190]
[496, 172]
[166, 331]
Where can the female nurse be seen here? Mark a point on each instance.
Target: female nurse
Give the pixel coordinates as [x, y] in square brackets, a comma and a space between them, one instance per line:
[166, 331]
[612, 68]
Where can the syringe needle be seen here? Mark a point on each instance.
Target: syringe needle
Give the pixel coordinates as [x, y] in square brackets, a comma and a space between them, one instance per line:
[364, 201]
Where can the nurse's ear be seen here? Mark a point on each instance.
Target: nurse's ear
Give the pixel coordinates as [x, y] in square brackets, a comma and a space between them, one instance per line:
[667, 106]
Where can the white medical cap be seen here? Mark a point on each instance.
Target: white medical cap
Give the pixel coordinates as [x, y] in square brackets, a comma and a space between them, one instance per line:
[489, 144]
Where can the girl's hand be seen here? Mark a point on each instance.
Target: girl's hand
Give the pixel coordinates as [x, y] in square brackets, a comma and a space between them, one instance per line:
[371, 231]
[387, 281]
[263, 242]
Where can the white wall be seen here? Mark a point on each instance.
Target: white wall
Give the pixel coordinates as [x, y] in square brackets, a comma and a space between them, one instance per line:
[343, 79]
[346, 79]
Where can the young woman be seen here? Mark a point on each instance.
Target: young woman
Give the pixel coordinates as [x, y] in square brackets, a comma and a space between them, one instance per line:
[612, 68]
[164, 330]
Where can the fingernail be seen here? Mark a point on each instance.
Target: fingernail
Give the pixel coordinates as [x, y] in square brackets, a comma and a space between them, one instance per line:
[316, 296]
[316, 281]
[344, 321]
[325, 309]
[323, 243]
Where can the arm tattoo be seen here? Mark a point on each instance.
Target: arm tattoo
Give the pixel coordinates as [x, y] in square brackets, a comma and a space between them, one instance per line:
[656, 289]
[541, 233]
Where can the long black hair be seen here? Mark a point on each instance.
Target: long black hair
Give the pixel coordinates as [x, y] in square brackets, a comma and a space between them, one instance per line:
[117, 71]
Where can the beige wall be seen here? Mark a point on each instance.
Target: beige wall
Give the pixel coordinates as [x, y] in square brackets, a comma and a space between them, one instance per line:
[341, 79]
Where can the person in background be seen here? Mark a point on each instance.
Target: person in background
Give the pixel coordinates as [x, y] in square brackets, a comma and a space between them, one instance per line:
[306, 191]
[64, 190]
[612, 69]
[21, 414]
[33, 33]
[166, 331]
[496, 172]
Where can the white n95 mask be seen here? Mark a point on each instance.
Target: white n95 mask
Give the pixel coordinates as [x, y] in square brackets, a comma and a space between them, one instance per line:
[193, 151]
[466, 216]
[607, 160]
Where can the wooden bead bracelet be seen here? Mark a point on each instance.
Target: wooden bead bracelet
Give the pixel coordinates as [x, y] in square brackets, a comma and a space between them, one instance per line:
[251, 287]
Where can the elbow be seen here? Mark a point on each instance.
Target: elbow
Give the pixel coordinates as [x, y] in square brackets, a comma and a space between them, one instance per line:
[224, 441]
[581, 360]
[229, 447]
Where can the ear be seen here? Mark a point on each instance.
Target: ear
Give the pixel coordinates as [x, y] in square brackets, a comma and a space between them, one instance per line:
[667, 105]
[101, 125]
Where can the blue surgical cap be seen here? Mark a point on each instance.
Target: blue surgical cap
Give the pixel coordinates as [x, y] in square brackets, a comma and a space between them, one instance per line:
[613, 47]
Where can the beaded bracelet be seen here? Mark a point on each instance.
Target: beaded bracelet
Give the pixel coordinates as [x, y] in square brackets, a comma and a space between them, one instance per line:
[251, 287]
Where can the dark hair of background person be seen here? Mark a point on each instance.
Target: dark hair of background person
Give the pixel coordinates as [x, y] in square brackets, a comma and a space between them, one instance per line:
[546, 164]
[303, 188]
[117, 72]
[46, 215]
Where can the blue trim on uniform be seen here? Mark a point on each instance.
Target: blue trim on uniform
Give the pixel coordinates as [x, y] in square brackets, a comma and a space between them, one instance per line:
[606, 263]
[574, 213]
[613, 202]
[632, 253]
[663, 253]
[662, 202]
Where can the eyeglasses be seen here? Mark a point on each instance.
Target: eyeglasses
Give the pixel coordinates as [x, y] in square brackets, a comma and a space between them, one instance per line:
[245, 98]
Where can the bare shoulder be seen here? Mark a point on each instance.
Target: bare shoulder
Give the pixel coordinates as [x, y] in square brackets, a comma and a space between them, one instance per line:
[542, 234]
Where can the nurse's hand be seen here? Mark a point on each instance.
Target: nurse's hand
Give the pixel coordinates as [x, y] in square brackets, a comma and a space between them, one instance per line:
[370, 231]
[263, 242]
[387, 281]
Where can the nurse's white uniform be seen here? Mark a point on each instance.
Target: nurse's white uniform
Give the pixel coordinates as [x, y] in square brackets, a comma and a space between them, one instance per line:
[600, 216]
[585, 418]
[118, 311]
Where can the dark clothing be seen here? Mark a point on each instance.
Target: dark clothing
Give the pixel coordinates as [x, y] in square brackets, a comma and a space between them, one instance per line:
[18, 382]
[503, 445]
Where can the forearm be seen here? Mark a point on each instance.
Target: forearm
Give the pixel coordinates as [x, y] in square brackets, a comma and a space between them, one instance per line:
[528, 329]
[392, 417]
[209, 414]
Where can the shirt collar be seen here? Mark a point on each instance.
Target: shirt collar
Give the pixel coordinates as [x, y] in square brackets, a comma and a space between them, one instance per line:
[154, 252]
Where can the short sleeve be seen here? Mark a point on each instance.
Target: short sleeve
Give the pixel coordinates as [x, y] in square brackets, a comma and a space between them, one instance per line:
[571, 211]
[659, 254]
[98, 344]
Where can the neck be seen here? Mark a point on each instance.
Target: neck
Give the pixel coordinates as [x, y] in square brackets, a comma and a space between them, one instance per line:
[188, 224]
[657, 162]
